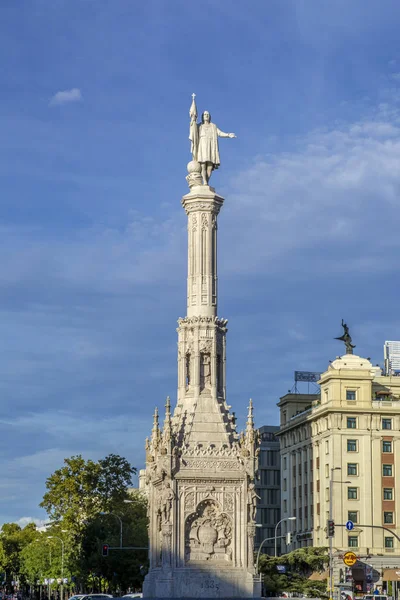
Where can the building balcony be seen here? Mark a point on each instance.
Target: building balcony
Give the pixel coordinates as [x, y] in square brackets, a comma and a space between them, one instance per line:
[385, 402]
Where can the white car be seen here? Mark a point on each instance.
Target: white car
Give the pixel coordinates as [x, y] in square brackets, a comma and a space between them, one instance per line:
[92, 597]
[132, 596]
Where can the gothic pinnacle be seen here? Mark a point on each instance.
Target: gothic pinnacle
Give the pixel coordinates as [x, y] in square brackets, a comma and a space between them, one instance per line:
[155, 432]
[250, 420]
[167, 421]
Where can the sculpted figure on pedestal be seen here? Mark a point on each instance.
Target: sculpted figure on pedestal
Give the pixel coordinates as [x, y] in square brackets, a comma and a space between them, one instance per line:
[204, 141]
[346, 338]
[205, 371]
[252, 501]
[167, 498]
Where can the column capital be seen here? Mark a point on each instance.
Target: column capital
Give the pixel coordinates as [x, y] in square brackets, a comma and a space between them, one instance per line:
[202, 197]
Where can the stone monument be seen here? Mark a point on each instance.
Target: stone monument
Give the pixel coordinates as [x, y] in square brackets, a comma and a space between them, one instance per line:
[199, 471]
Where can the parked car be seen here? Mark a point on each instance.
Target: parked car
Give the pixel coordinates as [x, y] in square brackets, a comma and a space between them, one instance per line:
[133, 595]
[95, 597]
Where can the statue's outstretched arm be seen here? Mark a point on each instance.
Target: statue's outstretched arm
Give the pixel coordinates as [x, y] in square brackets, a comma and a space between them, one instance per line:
[226, 135]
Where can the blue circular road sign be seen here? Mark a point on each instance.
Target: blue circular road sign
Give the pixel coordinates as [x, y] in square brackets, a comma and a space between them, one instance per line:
[349, 525]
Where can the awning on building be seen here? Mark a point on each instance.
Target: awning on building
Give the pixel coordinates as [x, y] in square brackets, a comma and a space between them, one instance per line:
[391, 575]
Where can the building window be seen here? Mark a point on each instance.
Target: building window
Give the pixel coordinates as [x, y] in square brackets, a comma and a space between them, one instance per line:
[285, 506]
[386, 446]
[386, 423]
[388, 517]
[284, 463]
[353, 541]
[389, 542]
[351, 423]
[351, 445]
[387, 470]
[352, 515]
[352, 469]
[284, 485]
[350, 395]
[327, 447]
[326, 470]
[387, 493]
[352, 493]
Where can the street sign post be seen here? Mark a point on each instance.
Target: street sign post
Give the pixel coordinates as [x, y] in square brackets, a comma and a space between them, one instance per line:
[349, 559]
[349, 525]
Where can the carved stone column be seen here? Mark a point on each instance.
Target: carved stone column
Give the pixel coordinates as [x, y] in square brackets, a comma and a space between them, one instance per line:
[251, 532]
[166, 532]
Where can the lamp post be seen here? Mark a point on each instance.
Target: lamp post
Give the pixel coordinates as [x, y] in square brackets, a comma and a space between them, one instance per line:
[276, 529]
[331, 482]
[120, 523]
[62, 563]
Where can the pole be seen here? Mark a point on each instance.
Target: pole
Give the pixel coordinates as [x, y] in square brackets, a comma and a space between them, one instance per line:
[259, 550]
[120, 531]
[62, 564]
[276, 530]
[331, 585]
[62, 569]
[120, 525]
[330, 538]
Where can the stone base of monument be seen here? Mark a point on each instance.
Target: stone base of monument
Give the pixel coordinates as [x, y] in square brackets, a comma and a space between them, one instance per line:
[198, 583]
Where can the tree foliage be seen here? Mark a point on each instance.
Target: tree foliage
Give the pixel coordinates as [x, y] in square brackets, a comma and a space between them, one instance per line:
[300, 564]
[13, 540]
[84, 500]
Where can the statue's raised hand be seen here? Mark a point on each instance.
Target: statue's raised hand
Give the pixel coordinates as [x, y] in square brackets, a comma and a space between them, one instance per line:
[231, 135]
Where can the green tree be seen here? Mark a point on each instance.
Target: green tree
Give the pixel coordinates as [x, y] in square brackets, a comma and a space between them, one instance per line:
[300, 564]
[76, 495]
[13, 540]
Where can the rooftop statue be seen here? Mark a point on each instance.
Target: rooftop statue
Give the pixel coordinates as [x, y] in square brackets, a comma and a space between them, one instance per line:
[204, 142]
[346, 338]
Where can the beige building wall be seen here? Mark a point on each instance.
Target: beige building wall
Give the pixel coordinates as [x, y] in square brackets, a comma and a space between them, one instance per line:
[351, 432]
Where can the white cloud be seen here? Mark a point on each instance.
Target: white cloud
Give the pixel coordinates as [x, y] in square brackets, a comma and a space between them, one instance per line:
[40, 523]
[66, 96]
[326, 194]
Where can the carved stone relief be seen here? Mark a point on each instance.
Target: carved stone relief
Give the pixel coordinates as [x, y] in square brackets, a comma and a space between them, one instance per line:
[205, 370]
[204, 221]
[220, 465]
[208, 534]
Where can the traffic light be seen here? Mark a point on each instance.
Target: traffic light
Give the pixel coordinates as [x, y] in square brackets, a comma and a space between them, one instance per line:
[331, 528]
[288, 538]
[105, 549]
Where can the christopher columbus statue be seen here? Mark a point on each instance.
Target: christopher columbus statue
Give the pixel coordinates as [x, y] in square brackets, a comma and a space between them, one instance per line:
[204, 141]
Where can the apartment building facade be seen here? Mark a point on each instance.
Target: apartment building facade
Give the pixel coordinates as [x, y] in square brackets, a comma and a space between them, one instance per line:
[340, 451]
[268, 487]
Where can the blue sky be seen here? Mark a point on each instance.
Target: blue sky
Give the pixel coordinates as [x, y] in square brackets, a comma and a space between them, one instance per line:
[93, 151]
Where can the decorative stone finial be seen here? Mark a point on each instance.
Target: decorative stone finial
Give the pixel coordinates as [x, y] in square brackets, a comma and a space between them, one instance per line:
[346, 338]
[167, 430]
[250, 433]
[155, 432]
[250, 419]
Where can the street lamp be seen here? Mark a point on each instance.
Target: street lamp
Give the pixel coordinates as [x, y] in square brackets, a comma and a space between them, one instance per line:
[62, 562]
[120, 523]
[276, 529]
[331, 482]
